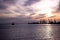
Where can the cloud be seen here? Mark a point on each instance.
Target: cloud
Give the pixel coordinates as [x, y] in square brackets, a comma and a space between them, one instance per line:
[2, 7]
[9, 1]
[20, 10]
[19, 19]
[30, 2]
[4, 4]
[59, 7]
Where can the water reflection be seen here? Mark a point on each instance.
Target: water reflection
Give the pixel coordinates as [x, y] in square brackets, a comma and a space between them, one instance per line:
[48, 31]
[44, 32]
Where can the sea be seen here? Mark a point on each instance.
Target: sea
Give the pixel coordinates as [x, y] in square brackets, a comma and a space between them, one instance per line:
[30, 32]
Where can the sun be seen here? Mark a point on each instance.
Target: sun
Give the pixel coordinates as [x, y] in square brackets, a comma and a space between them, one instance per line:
[45, 7]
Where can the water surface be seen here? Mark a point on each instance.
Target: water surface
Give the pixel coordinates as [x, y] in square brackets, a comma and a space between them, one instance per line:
[30, 32]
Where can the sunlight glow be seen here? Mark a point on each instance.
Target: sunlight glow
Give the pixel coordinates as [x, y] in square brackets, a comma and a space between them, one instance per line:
[45, 7]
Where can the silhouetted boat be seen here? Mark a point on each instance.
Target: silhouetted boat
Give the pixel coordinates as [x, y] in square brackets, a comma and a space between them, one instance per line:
[13, 24]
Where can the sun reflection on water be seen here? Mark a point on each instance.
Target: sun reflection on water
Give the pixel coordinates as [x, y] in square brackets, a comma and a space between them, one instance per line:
[48, 31]
[45, 32]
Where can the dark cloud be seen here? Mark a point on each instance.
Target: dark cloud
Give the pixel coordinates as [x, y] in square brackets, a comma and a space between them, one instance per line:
[4, 4]
[59, 7]
[9, 1]
[16, 20]
[29, 2]
[2, 7]
[17, 11]
[41, 15]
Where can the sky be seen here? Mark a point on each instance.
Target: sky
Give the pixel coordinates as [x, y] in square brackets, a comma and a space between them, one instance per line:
[22, 11]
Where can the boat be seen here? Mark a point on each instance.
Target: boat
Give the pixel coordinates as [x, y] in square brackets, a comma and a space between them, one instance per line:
[13, 23]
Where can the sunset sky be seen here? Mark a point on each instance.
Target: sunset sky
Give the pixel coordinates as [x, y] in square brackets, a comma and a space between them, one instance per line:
[22, 11]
